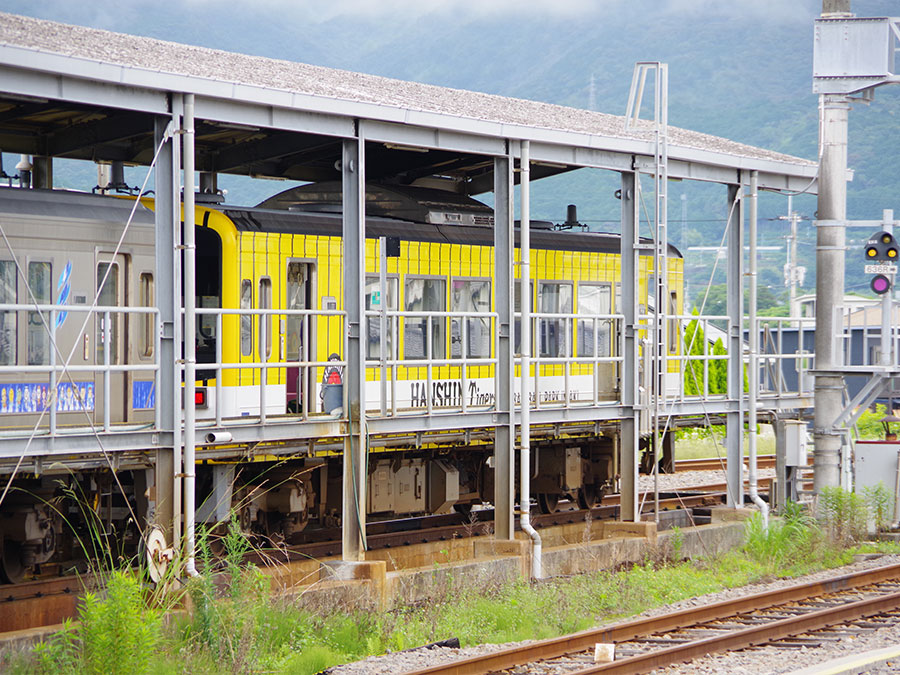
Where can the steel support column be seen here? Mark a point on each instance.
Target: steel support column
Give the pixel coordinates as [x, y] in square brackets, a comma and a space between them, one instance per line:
[353, 177]
[504, 285]
[167, 180]
[42, 172]
[734, 421]
[630, 426]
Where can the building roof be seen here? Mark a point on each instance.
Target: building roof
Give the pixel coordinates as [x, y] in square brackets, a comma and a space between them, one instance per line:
[148, 65]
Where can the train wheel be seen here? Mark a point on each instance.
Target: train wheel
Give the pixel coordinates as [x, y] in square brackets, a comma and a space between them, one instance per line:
[587, 496]
[12, 571]
[548, 502]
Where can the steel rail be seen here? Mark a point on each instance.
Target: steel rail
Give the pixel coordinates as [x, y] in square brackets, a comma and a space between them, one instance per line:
[714, 463]
[748, 637]
[628, 630]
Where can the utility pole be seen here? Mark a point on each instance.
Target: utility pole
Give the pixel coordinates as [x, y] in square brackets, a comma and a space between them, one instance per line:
[592, 94]
[830, 238]
[792, 270]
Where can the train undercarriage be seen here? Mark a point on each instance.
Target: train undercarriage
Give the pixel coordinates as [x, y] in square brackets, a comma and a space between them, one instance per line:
[60, 521]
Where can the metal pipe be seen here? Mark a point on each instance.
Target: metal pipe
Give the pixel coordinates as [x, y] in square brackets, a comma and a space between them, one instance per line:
[754, 354]
[887, 303]
[190, 332]
[382, 321]
[525, 422]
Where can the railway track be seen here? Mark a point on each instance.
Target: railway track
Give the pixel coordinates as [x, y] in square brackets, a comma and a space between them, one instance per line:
[800, 615]
[715, 463]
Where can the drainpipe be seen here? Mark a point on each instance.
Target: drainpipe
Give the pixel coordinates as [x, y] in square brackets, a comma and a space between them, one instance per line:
[525, 423]
[754, 355]
[190, 345]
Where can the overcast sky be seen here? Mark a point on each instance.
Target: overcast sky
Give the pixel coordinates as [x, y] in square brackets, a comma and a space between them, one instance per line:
[114, 15]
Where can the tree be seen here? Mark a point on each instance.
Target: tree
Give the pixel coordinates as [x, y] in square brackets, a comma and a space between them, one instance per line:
[697, 370]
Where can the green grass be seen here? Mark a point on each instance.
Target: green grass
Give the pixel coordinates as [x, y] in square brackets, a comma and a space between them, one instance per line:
[710, 442]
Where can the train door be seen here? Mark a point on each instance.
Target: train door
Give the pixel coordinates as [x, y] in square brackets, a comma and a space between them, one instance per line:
[109, 329]
[299, 334]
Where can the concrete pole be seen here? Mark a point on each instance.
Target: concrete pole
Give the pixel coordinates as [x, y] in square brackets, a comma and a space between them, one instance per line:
[504, 445]
[830, 244]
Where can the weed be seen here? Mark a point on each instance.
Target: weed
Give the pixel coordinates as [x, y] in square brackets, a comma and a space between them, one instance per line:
[676, 542]
[880, 503]
[843, 514]
[115, 633]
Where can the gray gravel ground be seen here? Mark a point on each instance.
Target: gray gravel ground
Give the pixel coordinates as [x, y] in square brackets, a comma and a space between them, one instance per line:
[687, 479]
[755, 661]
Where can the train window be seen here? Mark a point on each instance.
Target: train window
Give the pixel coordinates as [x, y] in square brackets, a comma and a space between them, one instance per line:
[470, 296]
[424, 295]
[593, 300]
[555, 334]
[374, 295]
[673, 323]
[517, 308]
[145, 333]
[265, 302]
[209, 296]
[7, 319]
[108, 296]
[297, 298]
[651, 293]
[246, 319]
[39, 274]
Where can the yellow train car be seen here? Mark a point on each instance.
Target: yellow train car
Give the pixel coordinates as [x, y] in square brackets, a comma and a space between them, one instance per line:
[286, 254]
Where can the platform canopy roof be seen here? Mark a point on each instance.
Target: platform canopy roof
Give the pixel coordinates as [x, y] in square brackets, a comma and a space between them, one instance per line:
[76, 92]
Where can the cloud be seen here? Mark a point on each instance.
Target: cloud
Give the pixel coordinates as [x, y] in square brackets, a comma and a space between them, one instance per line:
[318, 11]
[324, 10]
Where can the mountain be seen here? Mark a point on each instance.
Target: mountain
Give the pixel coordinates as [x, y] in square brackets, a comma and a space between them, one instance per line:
[742, 70]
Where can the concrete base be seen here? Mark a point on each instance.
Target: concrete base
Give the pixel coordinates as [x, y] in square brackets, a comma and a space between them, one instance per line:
[644, 529]
[423, 572]
[729, 515]
[372, 574]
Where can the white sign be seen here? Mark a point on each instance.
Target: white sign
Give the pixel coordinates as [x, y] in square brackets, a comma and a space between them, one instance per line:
[880, 269]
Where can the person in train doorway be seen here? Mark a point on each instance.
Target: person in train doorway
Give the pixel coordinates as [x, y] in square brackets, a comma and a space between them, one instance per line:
[332, 390]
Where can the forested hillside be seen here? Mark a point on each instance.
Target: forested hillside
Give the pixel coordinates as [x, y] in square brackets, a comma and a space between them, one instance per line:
[740, 70]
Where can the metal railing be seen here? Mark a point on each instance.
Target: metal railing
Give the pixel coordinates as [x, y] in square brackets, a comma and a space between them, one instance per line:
[786, 356]
[55, 367]
[577, 360]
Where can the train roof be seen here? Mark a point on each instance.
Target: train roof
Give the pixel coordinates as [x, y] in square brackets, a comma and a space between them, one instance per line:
[423, 214]
[329, 223]
[73, 205]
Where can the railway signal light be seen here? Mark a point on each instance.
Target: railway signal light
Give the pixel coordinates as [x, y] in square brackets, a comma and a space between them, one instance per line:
[882, 247]
[880, 284]
[882, 252]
